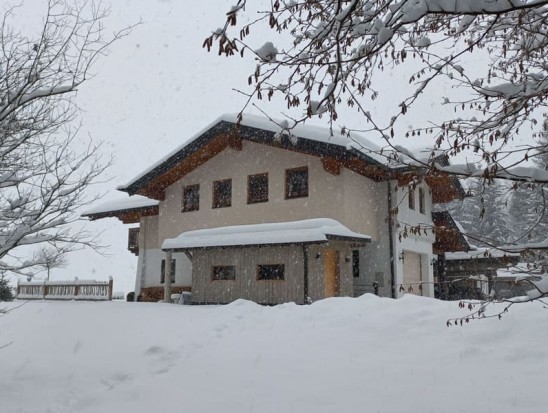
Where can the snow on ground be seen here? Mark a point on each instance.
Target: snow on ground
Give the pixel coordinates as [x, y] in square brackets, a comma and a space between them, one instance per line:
[367, 354]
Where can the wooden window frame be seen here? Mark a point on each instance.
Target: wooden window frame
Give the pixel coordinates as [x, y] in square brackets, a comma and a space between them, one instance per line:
[163, 271]
[422, 205]
[411, 199]
[219, 267]
[261, 197]
[195, 206]
[217, 202]
[302, 194]
[265, 266]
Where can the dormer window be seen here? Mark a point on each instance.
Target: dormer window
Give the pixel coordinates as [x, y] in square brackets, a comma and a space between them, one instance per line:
[296, 183]
[191, 198]
[222, 193]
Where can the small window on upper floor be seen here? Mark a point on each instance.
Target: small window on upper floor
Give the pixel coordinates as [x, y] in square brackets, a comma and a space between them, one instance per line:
[421, 201]
[296, 182]
[257, 188]
[191, 198]
[222, 193]
[411, 197]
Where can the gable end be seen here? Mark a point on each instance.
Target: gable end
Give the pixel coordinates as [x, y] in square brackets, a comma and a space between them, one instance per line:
[226, 134]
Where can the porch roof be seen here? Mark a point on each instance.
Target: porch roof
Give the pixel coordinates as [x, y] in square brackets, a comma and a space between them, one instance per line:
[318, 230]
[127, 209]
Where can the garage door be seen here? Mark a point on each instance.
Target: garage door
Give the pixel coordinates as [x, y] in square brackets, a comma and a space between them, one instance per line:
[412, 273]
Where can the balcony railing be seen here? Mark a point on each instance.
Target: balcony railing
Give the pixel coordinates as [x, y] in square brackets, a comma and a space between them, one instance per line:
[65, 290]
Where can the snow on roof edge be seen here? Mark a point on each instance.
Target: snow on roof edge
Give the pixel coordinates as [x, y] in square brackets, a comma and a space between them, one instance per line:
[128, 203]
[311, 132]
[479, 253]
[172, 152]
[303, 231]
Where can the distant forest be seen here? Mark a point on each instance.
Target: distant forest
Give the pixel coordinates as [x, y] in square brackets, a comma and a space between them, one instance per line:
[501, 212]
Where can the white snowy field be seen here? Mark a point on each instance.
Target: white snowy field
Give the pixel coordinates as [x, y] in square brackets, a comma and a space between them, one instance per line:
[338, 355]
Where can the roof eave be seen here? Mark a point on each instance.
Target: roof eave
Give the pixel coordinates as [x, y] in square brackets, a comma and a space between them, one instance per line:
[277, 244]
[127, 215]
[251, 134]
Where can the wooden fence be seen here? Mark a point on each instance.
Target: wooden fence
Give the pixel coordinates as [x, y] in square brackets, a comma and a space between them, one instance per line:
[65, 290]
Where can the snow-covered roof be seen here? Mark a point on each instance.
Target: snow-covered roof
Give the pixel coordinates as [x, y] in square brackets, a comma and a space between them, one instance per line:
[541, 245]
[517, 173]
[310, 132]
[353, 152]
[479, 253]
[294, 232]
[519, 271]
[122, 203]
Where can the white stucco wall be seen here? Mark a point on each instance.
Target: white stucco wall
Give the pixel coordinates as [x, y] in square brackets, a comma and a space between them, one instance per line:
[419, 244]
[349, 198]
[375, 256]
[151, 256]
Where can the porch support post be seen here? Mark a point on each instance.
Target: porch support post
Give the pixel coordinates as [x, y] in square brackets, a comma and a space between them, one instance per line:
[167, 278]
[305, 274]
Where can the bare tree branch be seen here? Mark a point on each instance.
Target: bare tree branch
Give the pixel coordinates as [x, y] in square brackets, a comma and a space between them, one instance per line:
[43, 176]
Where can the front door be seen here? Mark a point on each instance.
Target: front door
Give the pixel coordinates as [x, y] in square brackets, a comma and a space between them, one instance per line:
[331, 265]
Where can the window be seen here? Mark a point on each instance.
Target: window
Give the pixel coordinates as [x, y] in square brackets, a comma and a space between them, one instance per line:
[191, 198]
[257, 188]
[411, 198]
[356, 263]
[223, 273]
[270, 272]
[421, 200]
[222, 193]
[296, 183]
[163, 272]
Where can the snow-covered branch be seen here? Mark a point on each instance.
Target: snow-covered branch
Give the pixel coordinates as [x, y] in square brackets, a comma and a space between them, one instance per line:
[335, 51]
[43, 178]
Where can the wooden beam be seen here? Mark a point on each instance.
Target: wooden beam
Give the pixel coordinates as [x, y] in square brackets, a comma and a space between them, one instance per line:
[235, 141]
[443, 189]
[155, 189]
[331, 165]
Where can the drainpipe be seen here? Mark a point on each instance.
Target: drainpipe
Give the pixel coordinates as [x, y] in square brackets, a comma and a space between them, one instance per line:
[167, 277]
[391, 241]
[143, 255]
[305, 274]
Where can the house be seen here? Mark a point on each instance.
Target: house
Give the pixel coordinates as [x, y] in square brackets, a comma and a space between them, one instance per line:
[241, 210]
[466, 271]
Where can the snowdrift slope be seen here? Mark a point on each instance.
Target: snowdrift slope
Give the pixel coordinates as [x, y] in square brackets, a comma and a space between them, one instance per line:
[339, 355]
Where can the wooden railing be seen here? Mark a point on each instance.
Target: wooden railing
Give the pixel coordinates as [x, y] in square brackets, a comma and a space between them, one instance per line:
[65, 290]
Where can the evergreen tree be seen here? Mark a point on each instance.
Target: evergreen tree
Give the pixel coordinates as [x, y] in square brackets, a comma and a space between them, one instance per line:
[495, 222]
[528, 206]
[484, 214]
[527, 213]
[6, 292]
